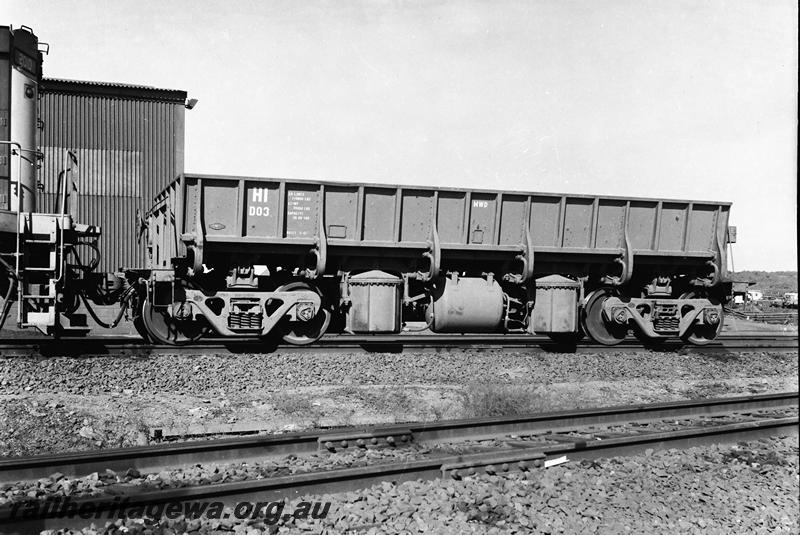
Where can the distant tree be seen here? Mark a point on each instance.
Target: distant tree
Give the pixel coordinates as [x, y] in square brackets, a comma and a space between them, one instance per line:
[772, 283]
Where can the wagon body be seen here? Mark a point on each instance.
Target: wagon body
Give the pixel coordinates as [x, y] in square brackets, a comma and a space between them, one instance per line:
[274, 216]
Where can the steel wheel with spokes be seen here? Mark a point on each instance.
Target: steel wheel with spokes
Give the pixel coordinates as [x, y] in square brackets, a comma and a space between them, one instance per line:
[595, 325]
[299, 332]
[703, 334]
[165, 329]
[138, 324]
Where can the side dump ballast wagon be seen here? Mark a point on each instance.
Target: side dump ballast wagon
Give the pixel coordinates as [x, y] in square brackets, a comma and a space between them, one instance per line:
[271, 258]
[243, 256]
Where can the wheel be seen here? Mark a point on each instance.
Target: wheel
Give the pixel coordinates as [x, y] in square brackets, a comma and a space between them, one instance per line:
[165, 329]
[702, 334]
[598, 329]
[136, 308]
[138, 324]
[301, 333]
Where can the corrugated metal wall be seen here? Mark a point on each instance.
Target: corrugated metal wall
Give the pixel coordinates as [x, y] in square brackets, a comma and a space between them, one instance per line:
[128, 148]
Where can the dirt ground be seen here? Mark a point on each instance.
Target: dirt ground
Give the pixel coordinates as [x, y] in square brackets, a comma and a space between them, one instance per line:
[51, 405]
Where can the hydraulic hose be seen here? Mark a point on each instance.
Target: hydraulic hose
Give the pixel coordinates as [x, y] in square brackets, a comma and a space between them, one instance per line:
[12, 285]
[95, 261]
[427, 325]
[124, 302]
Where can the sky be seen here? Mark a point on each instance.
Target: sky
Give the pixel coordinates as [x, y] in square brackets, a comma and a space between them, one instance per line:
[649, 98]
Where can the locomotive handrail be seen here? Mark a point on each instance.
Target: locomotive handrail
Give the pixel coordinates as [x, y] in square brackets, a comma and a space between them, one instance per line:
[19, 169]
[39, 154]
[19, 211]
[13, 281]
[68, 154]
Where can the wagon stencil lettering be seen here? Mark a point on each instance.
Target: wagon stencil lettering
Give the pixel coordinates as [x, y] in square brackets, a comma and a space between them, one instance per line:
[259, 211]
[260, 195]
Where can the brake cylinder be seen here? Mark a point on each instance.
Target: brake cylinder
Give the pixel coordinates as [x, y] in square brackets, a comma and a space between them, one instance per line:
[469, 304]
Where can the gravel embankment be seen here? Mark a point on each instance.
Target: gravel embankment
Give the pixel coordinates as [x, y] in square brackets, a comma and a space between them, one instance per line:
[51, 405]
[747, 488]
[247, 373]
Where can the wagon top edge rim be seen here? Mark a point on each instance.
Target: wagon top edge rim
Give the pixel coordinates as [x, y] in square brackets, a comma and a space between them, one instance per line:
[330, 182]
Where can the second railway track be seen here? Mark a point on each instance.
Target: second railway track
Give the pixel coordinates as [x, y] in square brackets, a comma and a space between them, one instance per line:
[528, 443]
[172, 455]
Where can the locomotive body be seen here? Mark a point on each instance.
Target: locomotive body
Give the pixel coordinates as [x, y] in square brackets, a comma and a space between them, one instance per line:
[20, 74]
[246, 256]
[34, 245]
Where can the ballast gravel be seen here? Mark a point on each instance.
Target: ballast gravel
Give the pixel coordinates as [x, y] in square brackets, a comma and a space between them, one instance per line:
[746, 488]
[53, 405]
[110, 482]
[248, 373]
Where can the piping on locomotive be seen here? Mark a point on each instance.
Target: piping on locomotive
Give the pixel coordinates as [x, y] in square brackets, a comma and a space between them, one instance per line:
[275, 258]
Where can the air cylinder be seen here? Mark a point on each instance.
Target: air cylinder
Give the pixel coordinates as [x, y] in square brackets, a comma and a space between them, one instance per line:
[466, 305]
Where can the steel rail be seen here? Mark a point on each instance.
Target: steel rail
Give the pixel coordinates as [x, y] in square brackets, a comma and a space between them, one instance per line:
[131, 346]
[457, 467]
[254, 448]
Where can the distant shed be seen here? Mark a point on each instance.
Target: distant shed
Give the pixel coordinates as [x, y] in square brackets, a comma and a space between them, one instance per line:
[129, 141]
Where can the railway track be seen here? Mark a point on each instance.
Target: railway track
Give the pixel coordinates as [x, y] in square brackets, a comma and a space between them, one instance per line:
[131, 346]
[766, 317]
[455, 449]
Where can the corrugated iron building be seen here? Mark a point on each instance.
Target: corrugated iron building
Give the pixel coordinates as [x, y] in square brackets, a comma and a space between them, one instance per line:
[129, 141]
